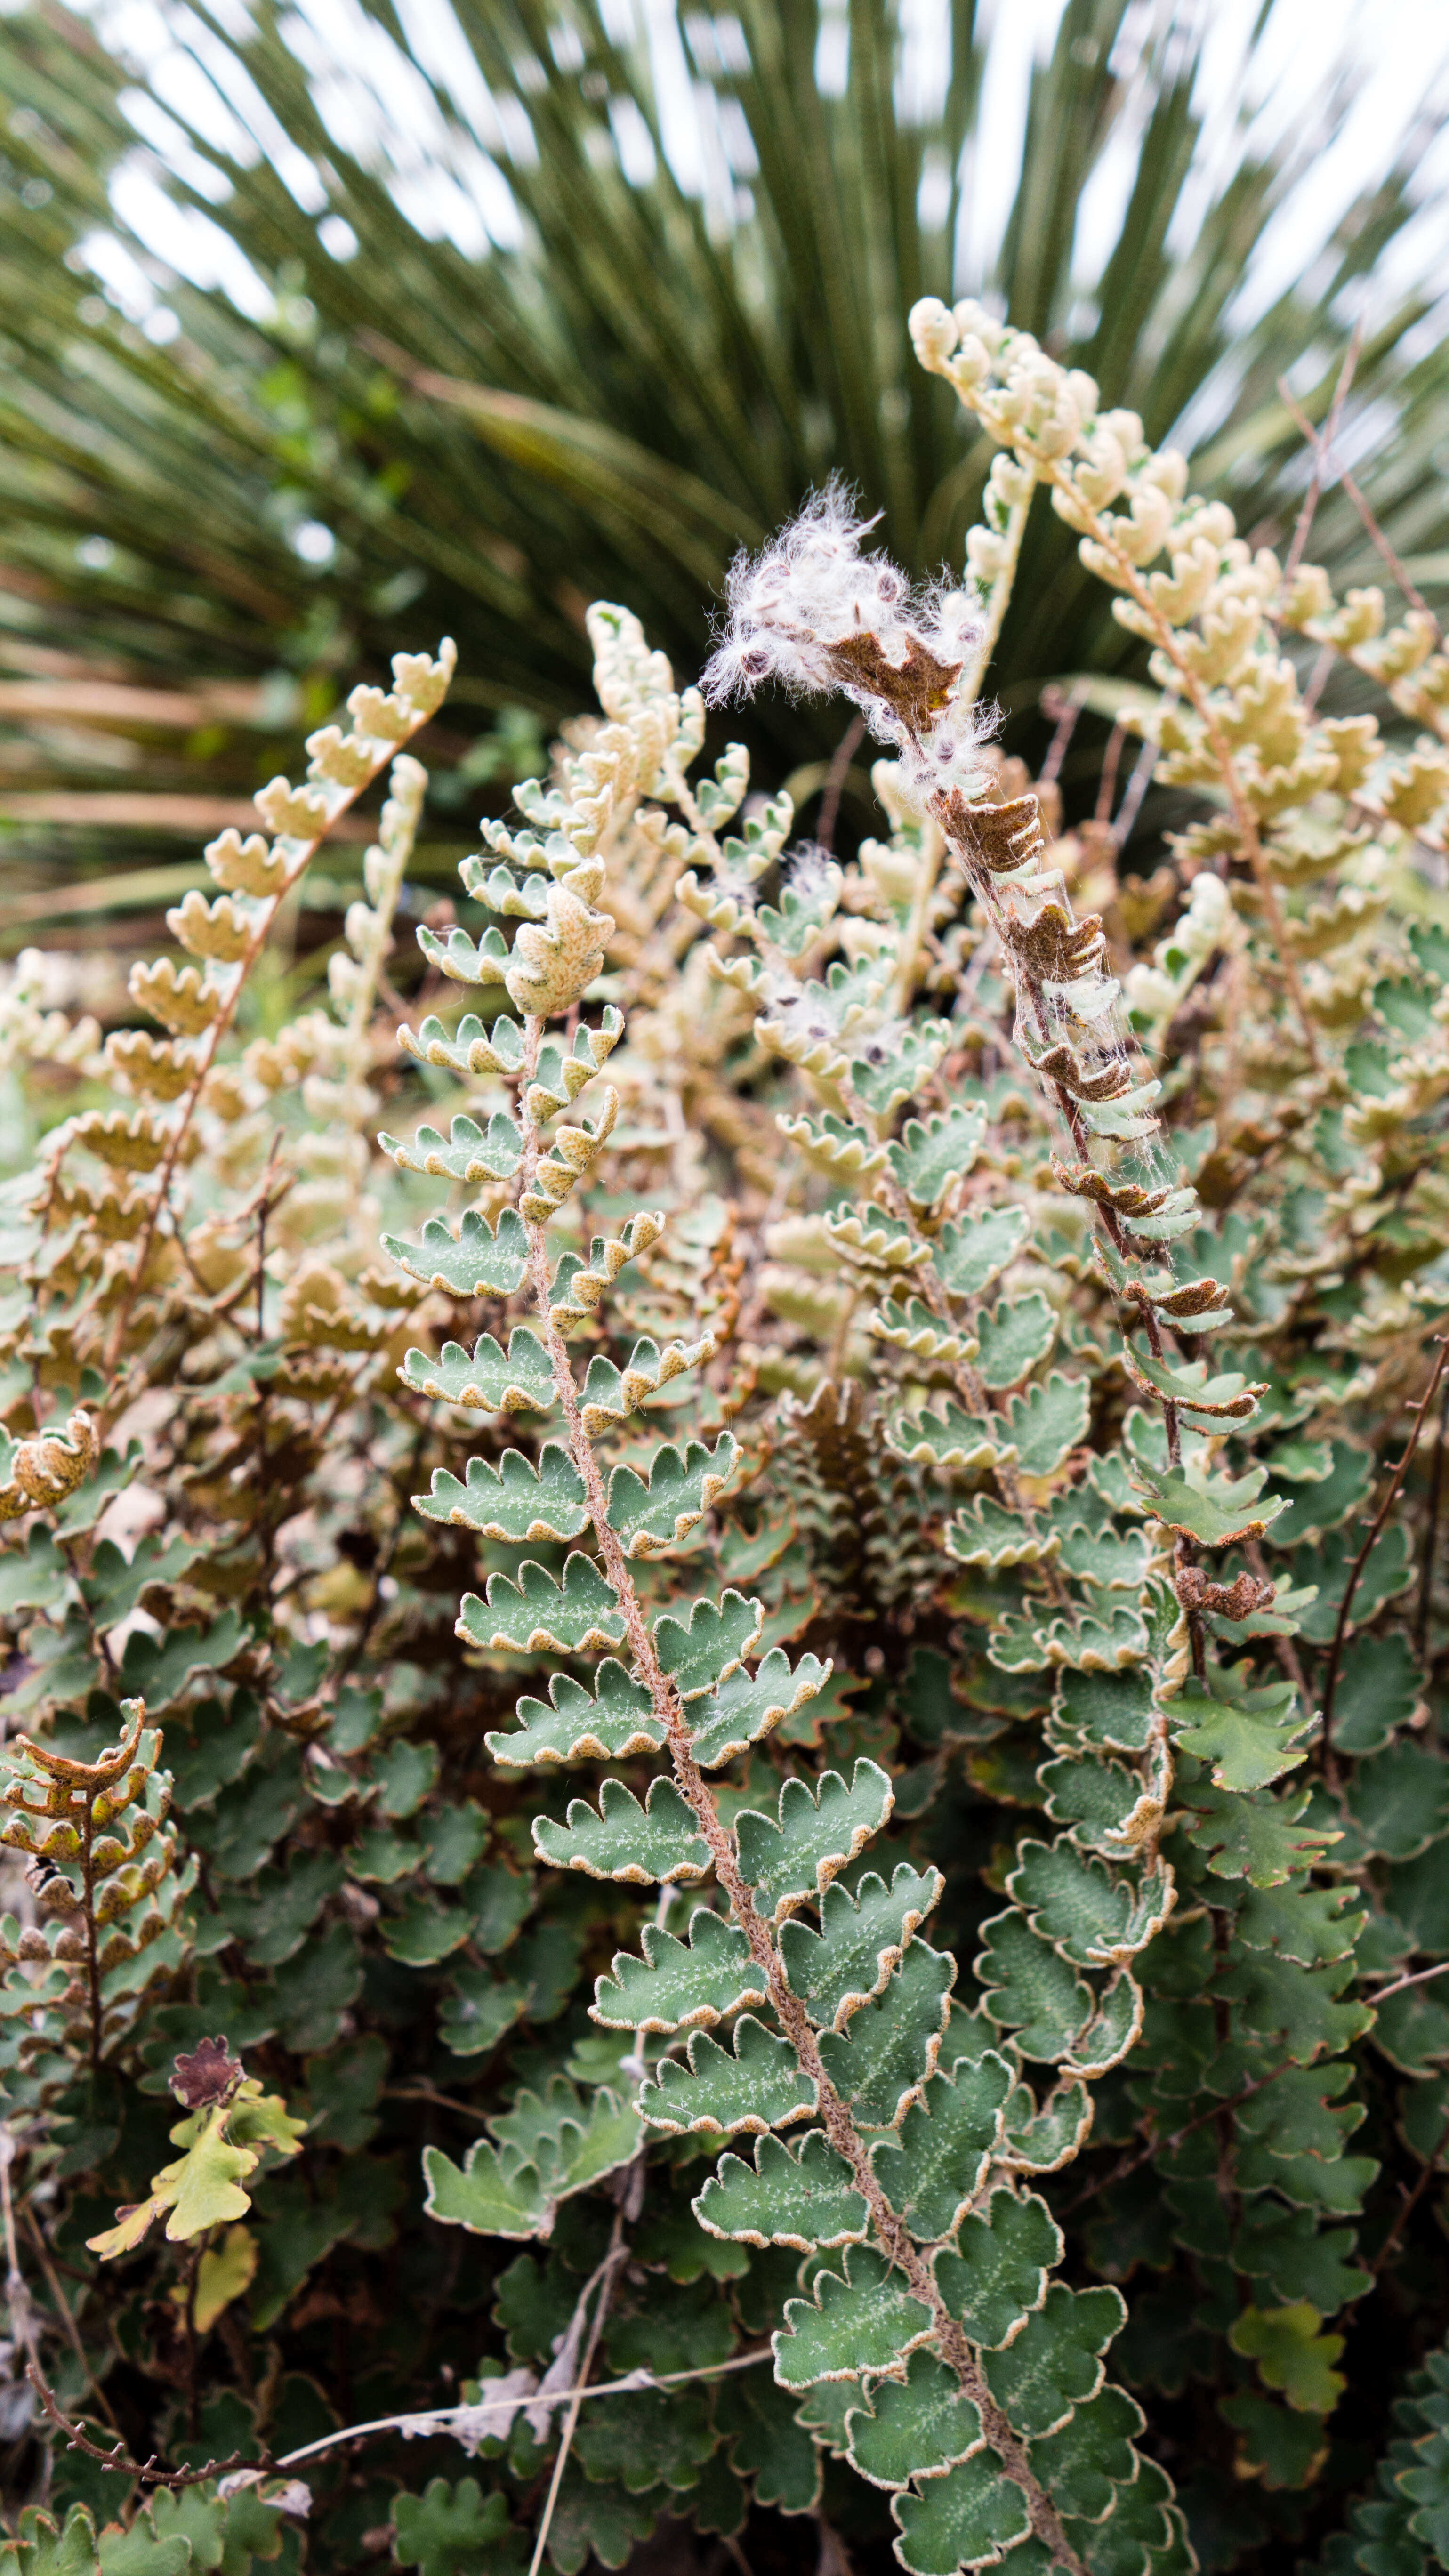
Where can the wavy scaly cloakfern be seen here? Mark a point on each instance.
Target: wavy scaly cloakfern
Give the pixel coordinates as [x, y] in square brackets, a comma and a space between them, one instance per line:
[976, 2378]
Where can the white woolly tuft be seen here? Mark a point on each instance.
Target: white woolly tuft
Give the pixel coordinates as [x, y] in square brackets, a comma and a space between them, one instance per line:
[811, 589]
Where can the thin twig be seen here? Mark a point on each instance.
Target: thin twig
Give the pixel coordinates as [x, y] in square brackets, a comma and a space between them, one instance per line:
[845, 751]
[52, 2283]
[1421, 1977]
[1330, 1678]
[1064, 712]
[607, 2275]
[1431, 1536]
[1320, 448]
[1411, 2202]
[118, 2458]
[1372, 529]
[414, 2427]
[17, 2293]
[1111, 762]
[1131, 2164]
[1137, 785]
[425, 2093]
[442, 2419]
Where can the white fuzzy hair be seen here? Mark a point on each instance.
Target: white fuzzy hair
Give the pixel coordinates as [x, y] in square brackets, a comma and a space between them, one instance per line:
[812, 588]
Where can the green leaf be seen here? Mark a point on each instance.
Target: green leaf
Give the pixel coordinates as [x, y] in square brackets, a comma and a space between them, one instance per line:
[1084, 2465]
[1294, 2005]
[139, 2550]
[969, 2518]
[1220, 1515]
[473, 1047]
[571, 2142]
[747, 1706]
[467, 961]
[984, 1533]
[1314, 1925]
[913, 2427]
[161, 1669]
[497, 2192]
[1042, 2141]
[1325, 1502]
[760, 2086]
[913, 1327]
[1412, 2029]
[1055, 2363]
[658, 1512]
[1102, 1644]
[881, 2060]
[1093, 1551]
[658, 1842]
[821, 1828]
[610, 1394]
[896, 1060]
[1103, 1712]
[468, 1153]
[1287, 2251]
[861, 1937]
[934, 1151]
[799, 2195]
[474, 2015]
[45, 2548]
[874, 1239]
[548, 2146]
[1258, 1838]
[512, 1500]
[657, 2438]
[1031, 1990]
[453, 2531]
[1047, 1422]
[536, 1615]
[594, 2518]
[1015, 1338]
[704, 1648]
[972, 1250]
[767, 2443]
[946, 1437]
[996, 2274]
[945, 2147]
[1249, 1736]
[569, 1726]
[1425, 2481]
[1293, 2354]
[1208, 1401]
[1284, 2449]
[201, 2189]
[485, 1379]
[113, 1586]
[680, 1985]
[1095, 1917]
[857, 2326]
[37, 1576]
[474, 1262]
[1292, 2139]
[1104, 1803]
[1399, 1799]
[1379, 1688]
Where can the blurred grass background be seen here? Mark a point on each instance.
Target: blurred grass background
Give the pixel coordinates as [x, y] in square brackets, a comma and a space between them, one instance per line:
[328, 329]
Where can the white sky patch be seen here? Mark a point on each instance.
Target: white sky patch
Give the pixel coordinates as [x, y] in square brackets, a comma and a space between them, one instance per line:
[1018, 34]
[185, 239]
[1336, 86]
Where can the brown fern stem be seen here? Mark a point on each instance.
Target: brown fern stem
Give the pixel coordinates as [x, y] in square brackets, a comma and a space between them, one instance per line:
[790, 2011]
[1246, 820]
[217, 1030]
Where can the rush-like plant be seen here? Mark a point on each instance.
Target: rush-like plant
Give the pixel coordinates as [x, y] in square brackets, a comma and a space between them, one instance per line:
[795, 1624]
